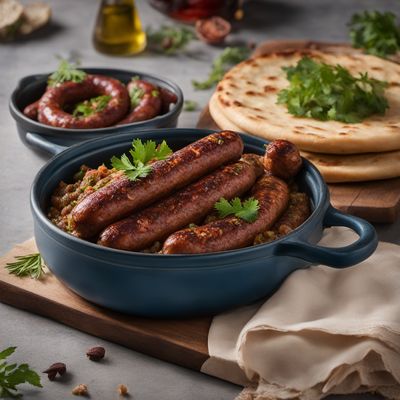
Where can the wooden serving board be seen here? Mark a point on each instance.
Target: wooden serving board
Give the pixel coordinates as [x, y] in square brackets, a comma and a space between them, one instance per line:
[375, 201]
[182, 342]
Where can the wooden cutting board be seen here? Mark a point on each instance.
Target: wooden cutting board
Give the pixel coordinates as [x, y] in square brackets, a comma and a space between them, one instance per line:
[375, 201]
[182, 342]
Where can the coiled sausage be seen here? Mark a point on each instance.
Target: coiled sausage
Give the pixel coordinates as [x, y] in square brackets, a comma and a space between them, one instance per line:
[51, 105]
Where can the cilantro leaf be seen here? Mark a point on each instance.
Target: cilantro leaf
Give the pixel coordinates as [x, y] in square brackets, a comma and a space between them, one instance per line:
[140, 171]
[375, 32]
[66, 72]
[229, 57]
[142, 154]
[190, 105]
[12, 375]
[169, 39]
[145, 152]
[91, 106]
[248, 210]
[136, 94]
[326, 92]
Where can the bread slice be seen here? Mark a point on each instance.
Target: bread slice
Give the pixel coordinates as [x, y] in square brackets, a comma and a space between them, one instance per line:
[35, 16]
[11, 12]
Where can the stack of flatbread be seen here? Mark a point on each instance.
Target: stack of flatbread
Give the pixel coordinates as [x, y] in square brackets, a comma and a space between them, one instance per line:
[246, 101]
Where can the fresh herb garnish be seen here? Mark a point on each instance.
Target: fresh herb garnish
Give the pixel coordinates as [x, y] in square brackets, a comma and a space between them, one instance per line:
[91, 106]
[66, 72]
[229, 57]
[29, 265]
[375, 32]
[169, 39]
[142, 154]
[190, 105]
[12, 375]
[155, 93]
[326, 92]
[136, 94]
[248, 210]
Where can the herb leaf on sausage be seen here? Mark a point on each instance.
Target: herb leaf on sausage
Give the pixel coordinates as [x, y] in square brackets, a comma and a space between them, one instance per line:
[91, 106]
[246, 210]
[66, 72]
[375, 32]
[142, 155]
[329, 92]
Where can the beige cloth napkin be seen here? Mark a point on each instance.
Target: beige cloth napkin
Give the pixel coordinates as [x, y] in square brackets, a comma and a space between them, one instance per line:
[324, 331]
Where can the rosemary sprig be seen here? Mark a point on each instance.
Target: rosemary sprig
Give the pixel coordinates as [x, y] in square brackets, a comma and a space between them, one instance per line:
[29, 265]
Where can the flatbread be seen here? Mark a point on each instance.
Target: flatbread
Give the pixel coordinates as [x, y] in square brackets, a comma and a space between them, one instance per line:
[335, 168]
[356, 167]
[247, 97]
[219, 118]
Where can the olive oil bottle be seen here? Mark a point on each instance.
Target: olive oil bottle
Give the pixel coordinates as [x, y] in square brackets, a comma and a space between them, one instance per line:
[118, 28]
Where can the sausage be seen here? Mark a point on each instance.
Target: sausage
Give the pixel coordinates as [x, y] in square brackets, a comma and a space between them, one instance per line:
[167, 98]
[32, 110]
[296, 213]
[122, 197]
[190, 205]
[52, 103]
[149, 105]
[282, 159]
[231, 232]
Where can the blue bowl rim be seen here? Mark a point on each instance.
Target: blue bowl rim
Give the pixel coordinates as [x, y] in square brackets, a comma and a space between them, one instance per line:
[250, 251]
[19, 115]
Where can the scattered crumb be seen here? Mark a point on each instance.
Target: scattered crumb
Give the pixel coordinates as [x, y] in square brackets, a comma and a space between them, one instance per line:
[122, 390]
[80, 390]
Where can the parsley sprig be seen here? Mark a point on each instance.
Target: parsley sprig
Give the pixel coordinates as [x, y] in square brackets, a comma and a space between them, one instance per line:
[66, 72]
[190, 105]
[142, 154]
[375, 32]
[229, 57]
[169, 39]
[12, 375]
[29, 265]
[247, 210]
[89, 107]
[326, 92]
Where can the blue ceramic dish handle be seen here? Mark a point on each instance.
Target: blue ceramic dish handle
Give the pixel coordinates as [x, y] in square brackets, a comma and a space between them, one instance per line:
[336, 257]
[39, 142]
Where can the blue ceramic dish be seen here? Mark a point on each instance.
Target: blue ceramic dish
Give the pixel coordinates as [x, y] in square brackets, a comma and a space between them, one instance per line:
[155, 285]
[49, 139]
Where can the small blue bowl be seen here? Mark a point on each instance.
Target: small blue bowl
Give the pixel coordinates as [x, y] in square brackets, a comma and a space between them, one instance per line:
[49, 138]
[155, 285]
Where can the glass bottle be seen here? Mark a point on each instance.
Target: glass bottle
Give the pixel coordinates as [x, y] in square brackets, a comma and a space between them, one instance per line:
[118, 28]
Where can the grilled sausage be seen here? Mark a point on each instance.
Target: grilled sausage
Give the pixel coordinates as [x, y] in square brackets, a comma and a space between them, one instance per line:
[190, 205]
[232, 232]
[167, 98]
[149, 103]
[297, 212]
[282, 159]
[123, 197]
[32, 110]
[52, 103]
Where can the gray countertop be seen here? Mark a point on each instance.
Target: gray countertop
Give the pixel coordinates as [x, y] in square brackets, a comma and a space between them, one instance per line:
[41, 341]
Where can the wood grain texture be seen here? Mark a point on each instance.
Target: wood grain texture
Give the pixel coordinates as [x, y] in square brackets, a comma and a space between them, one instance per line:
[182, 342]
[375, 201]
